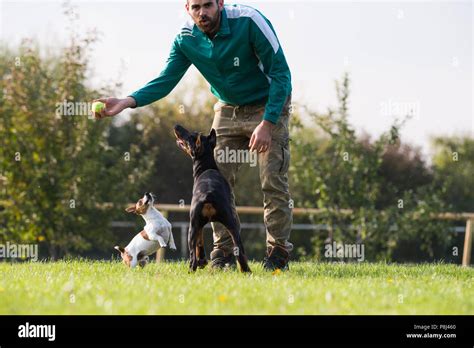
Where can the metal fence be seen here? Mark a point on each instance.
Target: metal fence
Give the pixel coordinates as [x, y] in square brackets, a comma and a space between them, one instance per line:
[183, 225]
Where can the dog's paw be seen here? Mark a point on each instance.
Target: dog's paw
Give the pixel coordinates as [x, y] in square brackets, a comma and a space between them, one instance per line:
[144, 261]
[245, 268]
[202, 263]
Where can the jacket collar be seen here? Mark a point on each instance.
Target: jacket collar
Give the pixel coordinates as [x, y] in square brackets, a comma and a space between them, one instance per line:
[224, 27]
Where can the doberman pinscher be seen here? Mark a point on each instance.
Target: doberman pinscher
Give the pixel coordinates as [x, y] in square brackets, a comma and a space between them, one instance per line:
[211, 197]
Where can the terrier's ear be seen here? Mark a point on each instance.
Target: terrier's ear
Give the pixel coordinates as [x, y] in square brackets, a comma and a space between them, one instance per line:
[212, 137]
[120, 249]
[130, 209]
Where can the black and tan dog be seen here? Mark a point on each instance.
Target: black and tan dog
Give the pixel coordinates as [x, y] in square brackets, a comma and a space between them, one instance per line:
[211, 197]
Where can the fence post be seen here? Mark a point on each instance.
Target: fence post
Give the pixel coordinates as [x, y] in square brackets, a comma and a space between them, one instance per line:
[160, 254]
[184, 242]
[466, 256]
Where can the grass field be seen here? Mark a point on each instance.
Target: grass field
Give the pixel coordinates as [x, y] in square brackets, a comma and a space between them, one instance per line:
[92, 287]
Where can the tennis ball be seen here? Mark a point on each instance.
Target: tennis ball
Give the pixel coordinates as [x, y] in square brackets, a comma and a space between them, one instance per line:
[97, 107]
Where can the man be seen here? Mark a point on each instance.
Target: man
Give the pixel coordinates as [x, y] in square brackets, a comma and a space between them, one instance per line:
[237, 51]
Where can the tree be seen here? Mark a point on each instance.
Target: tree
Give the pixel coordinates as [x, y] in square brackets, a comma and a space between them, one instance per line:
[453, 166]
[337, 170]
[56, 165]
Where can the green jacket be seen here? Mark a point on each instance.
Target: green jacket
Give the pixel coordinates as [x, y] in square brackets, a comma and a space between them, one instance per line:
[244, 63]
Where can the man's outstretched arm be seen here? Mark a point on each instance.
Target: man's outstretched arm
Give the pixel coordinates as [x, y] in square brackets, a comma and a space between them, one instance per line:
[176, 66]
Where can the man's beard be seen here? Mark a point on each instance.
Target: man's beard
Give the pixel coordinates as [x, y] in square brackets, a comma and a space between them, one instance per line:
[209, 25]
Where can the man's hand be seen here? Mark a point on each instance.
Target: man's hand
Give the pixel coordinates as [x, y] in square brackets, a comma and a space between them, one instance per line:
[261, 137]
[114, 106]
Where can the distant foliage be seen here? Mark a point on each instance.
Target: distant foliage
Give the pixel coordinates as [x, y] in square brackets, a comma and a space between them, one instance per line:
[56, 167]
[453, 165]
[336, 170]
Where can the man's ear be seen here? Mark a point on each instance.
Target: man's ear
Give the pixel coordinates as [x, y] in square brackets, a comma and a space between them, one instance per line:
[212, 138]
[220, 4]
[130, 209]
[120, 249]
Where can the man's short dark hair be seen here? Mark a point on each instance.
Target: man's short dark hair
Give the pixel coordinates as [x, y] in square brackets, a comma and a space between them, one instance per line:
[217, 1]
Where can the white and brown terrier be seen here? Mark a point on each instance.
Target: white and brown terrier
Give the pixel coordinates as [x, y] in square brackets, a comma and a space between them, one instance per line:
[156, 234]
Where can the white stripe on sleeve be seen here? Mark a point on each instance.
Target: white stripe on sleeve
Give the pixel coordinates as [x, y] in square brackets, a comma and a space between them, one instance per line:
[246, 11]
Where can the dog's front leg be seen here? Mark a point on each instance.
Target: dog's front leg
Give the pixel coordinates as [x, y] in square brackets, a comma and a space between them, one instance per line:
[200, 252]
[192, 243]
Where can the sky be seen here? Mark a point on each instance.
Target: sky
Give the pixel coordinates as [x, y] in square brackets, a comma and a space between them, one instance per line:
[410, 56]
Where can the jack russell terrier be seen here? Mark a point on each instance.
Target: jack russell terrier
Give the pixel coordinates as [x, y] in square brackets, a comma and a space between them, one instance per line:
[156, 234]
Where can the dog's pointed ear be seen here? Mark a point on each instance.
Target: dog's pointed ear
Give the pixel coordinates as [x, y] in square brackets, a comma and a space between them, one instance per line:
[120, 249]
[198, 141]
[212, 137]
[130, 209]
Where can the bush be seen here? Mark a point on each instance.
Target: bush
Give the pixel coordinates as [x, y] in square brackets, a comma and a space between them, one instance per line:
[56, 167]
[339, 171]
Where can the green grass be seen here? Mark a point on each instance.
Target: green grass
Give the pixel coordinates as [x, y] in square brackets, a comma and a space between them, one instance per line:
[92, 287]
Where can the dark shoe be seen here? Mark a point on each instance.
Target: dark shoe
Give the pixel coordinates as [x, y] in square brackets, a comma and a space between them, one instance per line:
[219, 260]
[276, 258]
